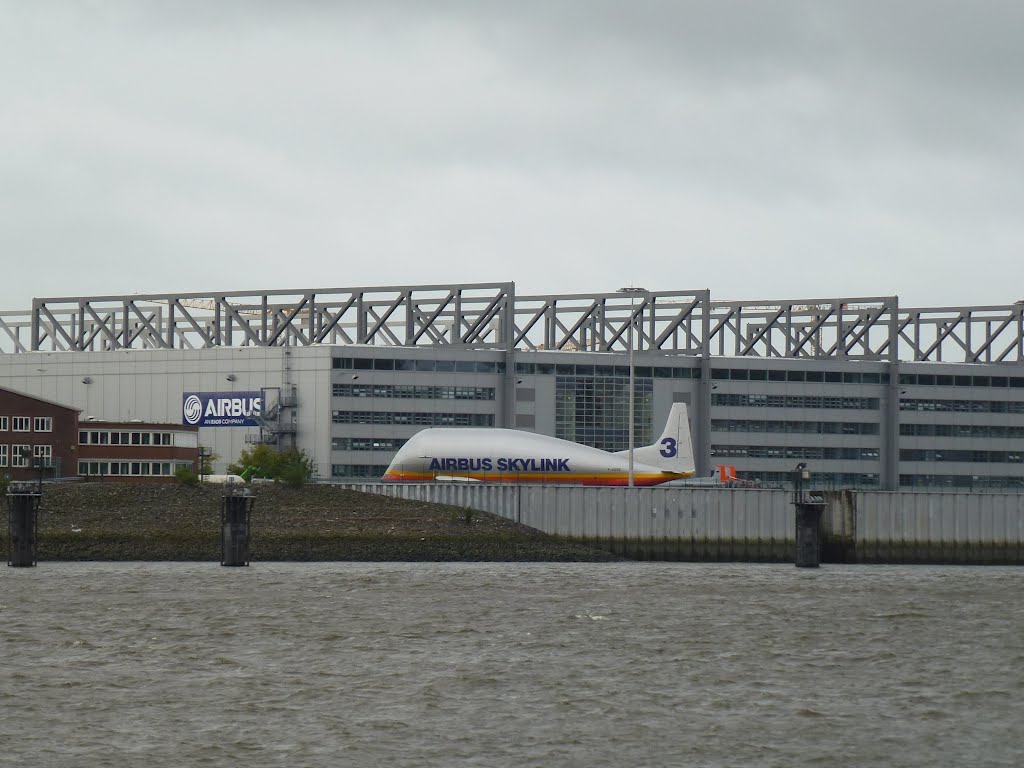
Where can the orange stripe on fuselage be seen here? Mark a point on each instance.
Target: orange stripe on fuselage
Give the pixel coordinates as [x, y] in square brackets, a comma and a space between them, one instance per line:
[560, 478]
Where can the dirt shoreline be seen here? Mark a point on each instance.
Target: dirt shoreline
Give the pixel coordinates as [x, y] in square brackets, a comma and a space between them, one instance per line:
[113, 522]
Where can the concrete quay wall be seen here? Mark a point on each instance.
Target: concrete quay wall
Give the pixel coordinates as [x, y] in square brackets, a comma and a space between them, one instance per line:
[741, 524]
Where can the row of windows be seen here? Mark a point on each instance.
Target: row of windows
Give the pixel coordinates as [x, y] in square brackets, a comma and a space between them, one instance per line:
[796, 401]
[529, 369]
[868, 479]
[962, 406]
[130, 468]
[620, 371]
[664, 372]
[373, 471]
[603, 385]
[367, 443]
[99, 437]
[26, 455]
[412, 392]
[851, 377]
[961, 481]
[794, 452]
[826, 377]
[818, 479]
[961, 430]
[941, 380]
[26, 424]
[438, 366]
[414, 417]
[795, 427]
[930, 454]
[757, 452]
[806, 427]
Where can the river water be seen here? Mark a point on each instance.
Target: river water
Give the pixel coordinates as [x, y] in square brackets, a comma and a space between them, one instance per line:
[281, 664]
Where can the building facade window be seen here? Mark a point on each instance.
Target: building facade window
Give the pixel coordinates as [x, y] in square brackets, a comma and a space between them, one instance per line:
[795, 427]
[108, 467]
[940, 380]
[414, 418]
[970, 482]
[795, 401]
[3, 424]
[21, 424]
[968, 456]
[659, 372]
[21, 455]
[366, 443]
[426, 366]
[594, 410]
[962, 430]
[412, 392]
[3, 455]
[818, 452]
[815, 376]
[43, 454]
[42, 424]
[358, 470]
[961, 406]
[818, 479]
[114, 437]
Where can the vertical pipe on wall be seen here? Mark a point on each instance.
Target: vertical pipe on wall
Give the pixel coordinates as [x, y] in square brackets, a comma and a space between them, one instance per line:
[890, 430]
[701, 427]
[507, 407]
[890, 414]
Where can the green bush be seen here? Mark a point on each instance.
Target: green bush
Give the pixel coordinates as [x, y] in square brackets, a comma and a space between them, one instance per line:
[186, 476]
[294, 476]
[292, 467]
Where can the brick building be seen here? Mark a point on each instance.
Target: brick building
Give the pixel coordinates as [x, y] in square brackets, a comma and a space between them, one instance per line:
[135, 451]
[41, 437]
[36, 436]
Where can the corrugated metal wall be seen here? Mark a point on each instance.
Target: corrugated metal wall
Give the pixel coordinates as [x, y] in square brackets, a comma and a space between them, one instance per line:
[598, 513]
[748, 524]
[662, 523]
[942, 527]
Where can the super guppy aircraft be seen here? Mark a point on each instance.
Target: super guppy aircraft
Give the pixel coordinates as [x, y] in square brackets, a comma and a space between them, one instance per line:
[512, 456]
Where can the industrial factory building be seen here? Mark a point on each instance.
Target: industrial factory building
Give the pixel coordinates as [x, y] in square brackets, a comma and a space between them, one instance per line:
[865, 392]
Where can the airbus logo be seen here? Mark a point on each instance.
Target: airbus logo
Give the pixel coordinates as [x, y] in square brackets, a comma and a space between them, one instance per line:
[192, 410]
[221, 409]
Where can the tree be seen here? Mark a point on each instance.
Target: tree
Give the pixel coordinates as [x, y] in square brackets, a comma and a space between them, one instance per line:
[292, 467]
[257, 461]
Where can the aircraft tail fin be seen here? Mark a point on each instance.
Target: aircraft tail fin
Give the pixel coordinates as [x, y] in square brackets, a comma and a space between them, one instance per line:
[673, 452]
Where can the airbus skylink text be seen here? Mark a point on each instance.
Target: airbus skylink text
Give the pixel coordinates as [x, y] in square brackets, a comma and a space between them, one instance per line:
[503, 465]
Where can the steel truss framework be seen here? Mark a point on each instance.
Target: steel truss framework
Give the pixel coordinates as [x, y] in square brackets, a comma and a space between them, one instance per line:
[492, 316]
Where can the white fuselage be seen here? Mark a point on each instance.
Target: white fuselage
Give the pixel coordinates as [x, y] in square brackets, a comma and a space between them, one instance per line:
[509, 456]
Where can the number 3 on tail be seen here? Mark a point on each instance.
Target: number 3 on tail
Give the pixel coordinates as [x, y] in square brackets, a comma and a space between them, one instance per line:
[670, 449]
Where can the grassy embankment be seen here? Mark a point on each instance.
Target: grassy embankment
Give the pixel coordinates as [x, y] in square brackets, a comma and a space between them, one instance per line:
[108, 521]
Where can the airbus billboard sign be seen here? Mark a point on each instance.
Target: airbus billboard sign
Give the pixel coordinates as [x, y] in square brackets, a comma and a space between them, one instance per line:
[221, 409]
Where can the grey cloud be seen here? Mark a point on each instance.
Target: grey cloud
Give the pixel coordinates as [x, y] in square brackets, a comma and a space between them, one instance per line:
[782, 148]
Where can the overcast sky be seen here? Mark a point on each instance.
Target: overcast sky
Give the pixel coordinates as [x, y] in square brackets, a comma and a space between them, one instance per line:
[764, 150]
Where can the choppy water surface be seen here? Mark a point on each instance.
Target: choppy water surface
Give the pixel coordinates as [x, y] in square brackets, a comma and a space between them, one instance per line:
[508, 664]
